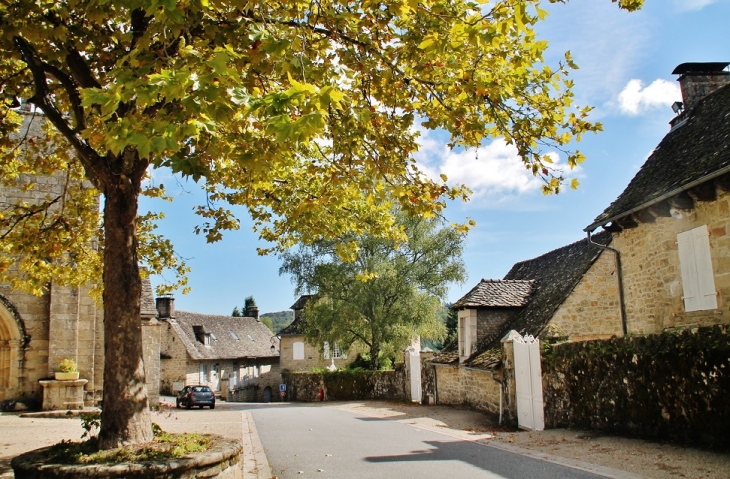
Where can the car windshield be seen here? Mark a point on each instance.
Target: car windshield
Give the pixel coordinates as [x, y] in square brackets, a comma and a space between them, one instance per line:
[201, 389]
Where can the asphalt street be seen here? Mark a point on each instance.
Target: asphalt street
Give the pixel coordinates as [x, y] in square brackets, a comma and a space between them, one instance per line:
[319, 442]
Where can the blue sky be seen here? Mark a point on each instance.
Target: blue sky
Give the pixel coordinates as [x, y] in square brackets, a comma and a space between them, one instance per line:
[625, 60]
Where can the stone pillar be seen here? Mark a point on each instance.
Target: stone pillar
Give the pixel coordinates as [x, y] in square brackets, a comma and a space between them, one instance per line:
[151, 343]
[509, 386]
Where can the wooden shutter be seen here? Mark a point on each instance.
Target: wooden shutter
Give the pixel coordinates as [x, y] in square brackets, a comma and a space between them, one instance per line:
[695, 263]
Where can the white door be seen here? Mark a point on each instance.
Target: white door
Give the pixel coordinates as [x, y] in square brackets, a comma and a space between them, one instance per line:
[215, 380]
[414, 365]
[528, 379]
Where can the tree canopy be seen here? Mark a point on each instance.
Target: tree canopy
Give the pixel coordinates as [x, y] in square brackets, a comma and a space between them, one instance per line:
[388, 295]
[303, 112]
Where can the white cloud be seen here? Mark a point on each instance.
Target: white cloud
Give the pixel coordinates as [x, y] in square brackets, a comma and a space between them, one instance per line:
[494, 172]
[686, 5]
[635, 99]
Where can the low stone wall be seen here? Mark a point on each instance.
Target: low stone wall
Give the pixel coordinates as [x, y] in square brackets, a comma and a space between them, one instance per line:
[347, 385]
[668, 386]
[220, 461]
[467, 387]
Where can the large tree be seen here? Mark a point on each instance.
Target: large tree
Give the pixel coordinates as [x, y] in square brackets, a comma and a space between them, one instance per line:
[303, 111]
[388, 295]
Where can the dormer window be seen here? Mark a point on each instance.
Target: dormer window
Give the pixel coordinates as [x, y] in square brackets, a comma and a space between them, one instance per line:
[201, 335]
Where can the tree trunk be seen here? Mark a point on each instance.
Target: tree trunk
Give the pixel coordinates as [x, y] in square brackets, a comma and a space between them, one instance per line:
[125, 417]
[374, 357]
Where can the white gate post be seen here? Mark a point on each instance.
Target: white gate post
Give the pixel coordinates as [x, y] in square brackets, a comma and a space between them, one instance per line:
[528, 382]
[414, 365]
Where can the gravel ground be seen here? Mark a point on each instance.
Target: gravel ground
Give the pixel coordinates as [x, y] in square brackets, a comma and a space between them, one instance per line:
[648, 459]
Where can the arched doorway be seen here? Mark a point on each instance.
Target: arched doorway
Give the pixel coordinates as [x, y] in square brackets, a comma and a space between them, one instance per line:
[12, 340]
[267, 394]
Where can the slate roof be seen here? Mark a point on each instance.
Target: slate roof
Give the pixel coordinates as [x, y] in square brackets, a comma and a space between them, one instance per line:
[693, 152]
[552, 276]
[556, 274]
[231, 337]
[496, 293]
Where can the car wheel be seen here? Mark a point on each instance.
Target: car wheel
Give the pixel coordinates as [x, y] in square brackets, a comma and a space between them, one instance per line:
[177, 404]
[212, 406]
[189, 405]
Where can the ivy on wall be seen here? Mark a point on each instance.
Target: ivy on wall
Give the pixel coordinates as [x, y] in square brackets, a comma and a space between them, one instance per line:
[673, 385]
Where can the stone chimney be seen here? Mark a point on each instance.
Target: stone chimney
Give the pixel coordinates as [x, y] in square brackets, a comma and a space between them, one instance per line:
[697, 80]
[165, 307]
[252, 312]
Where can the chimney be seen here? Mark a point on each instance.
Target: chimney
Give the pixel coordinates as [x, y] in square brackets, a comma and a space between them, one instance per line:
[252, 312]
[165, 307]
[697, 80]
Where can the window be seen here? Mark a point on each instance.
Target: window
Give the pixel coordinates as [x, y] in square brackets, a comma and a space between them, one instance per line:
[298, 350]
[336, 353]
[695, 264]
[234, 336]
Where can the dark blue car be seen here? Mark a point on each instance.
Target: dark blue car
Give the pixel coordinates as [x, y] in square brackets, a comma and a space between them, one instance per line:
[191, 396]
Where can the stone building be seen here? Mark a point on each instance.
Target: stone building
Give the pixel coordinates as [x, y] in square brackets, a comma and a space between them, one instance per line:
[238, 357]
[671, 224]
[36, 332]
[297, 354]
[570, 293]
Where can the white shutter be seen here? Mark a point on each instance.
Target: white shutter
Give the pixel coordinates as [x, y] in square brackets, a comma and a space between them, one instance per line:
[695, 263]
[326, 350]
[298, 350]
[705, 275]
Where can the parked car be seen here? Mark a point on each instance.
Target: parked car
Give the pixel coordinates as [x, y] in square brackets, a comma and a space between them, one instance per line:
[191, 396]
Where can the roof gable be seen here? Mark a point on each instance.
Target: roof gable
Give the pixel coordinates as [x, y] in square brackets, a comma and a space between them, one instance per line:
[694, 151]
[496, 293]
[230, 337]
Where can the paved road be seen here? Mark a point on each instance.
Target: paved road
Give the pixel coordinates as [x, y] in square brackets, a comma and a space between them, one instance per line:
[324, 442]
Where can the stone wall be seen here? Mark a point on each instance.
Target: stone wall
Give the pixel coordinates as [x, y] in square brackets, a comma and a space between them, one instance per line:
[592, 310]
[652, 278]
[491, 320]
[347, 385]
[662, 386]
[467, 387]
[173, 361]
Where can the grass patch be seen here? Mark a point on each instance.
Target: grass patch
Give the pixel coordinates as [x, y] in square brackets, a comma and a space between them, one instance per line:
[163, 447]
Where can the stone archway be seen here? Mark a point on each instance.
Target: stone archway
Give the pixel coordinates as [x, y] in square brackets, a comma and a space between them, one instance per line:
[12, 340]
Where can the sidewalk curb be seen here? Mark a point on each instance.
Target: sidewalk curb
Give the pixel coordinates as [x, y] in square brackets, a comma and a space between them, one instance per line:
[255, 464]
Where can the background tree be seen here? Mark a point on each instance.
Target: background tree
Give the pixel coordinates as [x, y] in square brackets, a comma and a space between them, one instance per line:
[388, 295]
[301, 111]
[236, 312]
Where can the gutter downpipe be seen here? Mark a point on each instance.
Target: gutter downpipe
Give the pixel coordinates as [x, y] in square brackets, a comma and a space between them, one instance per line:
[622, 304]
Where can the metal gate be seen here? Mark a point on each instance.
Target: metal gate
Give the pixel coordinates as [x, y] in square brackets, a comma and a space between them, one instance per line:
[528, 381]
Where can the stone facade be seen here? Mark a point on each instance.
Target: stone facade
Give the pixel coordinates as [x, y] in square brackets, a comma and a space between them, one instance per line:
[467, 387]
[651, 270]
[313, 355]
[592, 310]
[36, 332]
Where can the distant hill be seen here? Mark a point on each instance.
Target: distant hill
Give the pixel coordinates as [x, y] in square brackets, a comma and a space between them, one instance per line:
[277, 321]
